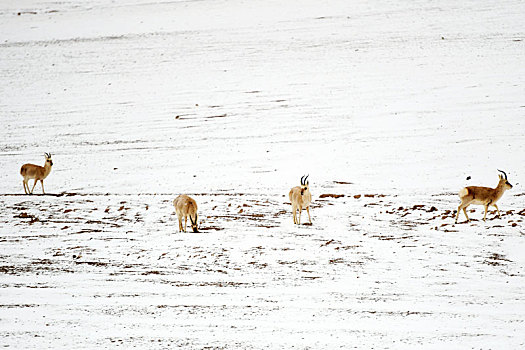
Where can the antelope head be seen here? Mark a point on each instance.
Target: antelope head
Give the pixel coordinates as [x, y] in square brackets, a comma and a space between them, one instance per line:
[194, 223]
[503, 180]
[304, 184]
[48, 158]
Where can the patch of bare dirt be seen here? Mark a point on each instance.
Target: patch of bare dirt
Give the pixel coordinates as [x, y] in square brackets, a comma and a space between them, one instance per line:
[331, 195]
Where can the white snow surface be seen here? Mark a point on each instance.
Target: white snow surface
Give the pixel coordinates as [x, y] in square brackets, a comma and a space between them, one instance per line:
[392, 104]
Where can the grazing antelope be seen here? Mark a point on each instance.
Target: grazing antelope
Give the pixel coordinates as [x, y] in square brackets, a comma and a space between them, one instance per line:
[301, 197]
[483, 195]
[37, 172]
[184, 207]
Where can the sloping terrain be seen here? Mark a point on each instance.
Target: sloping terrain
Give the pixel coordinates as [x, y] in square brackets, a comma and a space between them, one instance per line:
[388, 107]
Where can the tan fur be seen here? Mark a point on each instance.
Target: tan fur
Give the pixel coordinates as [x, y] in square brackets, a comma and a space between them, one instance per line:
[301, 198]
[36, 172]
[185, 206]
[485, 196]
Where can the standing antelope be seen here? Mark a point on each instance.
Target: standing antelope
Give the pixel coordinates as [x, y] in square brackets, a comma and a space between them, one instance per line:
[184, 207]
[301, 197]
[37, 172]
[483, 195]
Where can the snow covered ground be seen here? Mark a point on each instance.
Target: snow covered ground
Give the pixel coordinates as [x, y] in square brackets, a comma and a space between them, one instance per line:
[391, 104]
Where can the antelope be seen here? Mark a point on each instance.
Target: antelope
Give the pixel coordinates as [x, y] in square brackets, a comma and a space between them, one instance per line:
[483, 196]
[301, 197]
[185, 206]
[37, 172]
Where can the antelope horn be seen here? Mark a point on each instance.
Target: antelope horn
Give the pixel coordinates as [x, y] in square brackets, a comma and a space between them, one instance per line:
[503, 174]
[302, 180]
[306, 178]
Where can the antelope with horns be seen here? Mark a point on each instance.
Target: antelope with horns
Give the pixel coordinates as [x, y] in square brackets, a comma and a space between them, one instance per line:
[301, 197]
[483, 196]
[36, 172]
[185, 206]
